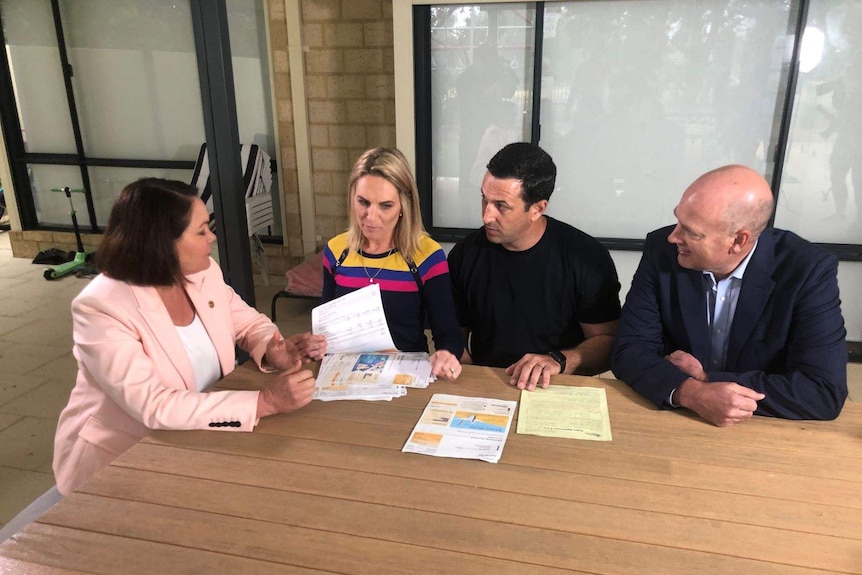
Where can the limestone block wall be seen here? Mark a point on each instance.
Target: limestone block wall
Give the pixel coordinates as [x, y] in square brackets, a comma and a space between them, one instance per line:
[350, 95]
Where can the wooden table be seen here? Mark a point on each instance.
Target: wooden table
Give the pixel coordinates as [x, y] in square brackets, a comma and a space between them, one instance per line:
[328, 490]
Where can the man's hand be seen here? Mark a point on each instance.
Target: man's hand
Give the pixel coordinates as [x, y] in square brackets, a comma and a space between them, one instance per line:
[289, 392]
[289, 354]
[533, 369]
[688, 364]
[722, 403]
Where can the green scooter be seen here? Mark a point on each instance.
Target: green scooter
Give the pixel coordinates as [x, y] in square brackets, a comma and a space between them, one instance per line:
[81, 256]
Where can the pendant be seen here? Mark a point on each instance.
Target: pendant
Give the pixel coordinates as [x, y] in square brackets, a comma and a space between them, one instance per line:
[371, 280]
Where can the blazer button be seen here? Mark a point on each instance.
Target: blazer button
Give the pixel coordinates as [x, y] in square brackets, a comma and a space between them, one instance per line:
[211, 304]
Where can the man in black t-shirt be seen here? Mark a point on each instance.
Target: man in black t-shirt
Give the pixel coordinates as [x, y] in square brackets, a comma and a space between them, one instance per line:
[534, 294]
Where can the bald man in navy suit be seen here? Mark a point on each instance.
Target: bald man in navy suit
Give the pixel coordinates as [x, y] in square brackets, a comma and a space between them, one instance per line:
[730, 319]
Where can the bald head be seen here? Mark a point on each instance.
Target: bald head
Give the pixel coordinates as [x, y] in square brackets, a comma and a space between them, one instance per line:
[719, 218]
[735, 197]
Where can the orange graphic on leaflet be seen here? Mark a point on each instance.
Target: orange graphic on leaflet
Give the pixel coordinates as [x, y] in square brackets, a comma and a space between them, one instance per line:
[429, 439]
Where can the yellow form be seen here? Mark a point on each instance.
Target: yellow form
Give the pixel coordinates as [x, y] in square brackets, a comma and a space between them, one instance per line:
[565, 411]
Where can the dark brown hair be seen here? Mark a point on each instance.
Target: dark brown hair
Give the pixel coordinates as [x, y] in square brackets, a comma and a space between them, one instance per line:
[147, 219]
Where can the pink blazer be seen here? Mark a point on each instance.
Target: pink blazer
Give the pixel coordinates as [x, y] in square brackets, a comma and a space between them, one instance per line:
[134, 374]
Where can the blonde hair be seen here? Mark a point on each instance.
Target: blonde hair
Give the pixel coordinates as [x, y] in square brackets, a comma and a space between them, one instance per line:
[391, 165]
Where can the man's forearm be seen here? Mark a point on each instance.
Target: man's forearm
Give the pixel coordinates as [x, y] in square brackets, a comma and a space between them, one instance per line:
[591, 357]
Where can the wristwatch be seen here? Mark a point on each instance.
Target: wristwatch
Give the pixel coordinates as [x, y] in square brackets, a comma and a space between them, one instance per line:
[559, 358]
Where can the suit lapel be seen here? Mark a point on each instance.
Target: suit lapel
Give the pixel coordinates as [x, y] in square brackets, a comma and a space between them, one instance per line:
[153, 310]
[692, 301]
[757, 286]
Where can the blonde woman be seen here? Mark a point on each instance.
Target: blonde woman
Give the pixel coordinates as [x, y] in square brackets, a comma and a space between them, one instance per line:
[386, 244]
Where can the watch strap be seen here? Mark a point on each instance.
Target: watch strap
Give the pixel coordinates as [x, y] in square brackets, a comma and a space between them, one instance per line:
[559, 358]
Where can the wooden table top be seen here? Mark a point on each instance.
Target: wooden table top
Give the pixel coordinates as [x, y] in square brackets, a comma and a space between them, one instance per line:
[327, 490]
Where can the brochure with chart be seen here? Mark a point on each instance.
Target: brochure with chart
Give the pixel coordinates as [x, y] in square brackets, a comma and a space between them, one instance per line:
[372, 375]
[462, 427]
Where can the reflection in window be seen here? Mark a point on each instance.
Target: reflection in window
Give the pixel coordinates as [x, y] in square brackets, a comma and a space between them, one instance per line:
[639, 98]
[822, 180]
[34, 64]
[480, 80]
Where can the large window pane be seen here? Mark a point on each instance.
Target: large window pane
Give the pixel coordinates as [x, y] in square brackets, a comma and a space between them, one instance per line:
[639, 98]
[108, 182]
[481, 81]
[52, 208]
[135, 78]
[822, 179]
[249, 57]
[31, 49]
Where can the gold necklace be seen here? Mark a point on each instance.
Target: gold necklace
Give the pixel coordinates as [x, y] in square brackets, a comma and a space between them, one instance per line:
[370, 277]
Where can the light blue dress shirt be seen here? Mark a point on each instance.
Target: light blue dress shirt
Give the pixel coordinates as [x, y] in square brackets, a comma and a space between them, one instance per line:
[721, 299]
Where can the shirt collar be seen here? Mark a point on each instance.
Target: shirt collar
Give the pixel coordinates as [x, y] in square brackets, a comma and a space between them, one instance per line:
[740, 269]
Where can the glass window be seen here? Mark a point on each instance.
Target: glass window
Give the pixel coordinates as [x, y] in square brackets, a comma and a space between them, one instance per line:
[481, 78]
[107, 182]
[822, 179]
[250, 61]
[34, 61]
[640, 98]
[136, 87]
[135, 78]
[52, 208]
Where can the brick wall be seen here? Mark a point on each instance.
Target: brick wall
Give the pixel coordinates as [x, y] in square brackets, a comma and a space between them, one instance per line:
[29, 243]
[351, 96]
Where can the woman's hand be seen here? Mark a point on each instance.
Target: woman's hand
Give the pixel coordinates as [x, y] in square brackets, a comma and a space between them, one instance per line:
[289, 354]
[289, 392]
[444, 365]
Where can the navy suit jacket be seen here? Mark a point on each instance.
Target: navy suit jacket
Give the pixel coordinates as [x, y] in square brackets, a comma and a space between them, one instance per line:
[787, 339]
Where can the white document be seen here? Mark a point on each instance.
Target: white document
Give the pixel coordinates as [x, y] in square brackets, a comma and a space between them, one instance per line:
[462, 427]
[353, 323]
[380, 392]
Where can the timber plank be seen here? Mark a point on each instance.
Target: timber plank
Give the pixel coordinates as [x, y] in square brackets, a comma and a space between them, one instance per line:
[60, 550]
[809, 462]
[389, 539]
[791, 487]
[270, 542]
[476, 490]
[531, 466]
[445, 516]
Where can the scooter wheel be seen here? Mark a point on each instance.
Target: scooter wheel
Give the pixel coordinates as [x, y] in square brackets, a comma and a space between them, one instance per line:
[49, 274]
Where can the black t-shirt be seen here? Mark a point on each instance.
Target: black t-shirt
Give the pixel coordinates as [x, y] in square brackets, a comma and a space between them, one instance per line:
[531, 301]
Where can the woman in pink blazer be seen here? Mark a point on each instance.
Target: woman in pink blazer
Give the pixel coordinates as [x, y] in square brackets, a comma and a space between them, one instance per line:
[157, 328]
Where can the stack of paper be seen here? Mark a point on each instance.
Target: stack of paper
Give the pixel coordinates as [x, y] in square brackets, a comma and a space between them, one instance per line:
[462, 427]
[354, 326]
[371, 376]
